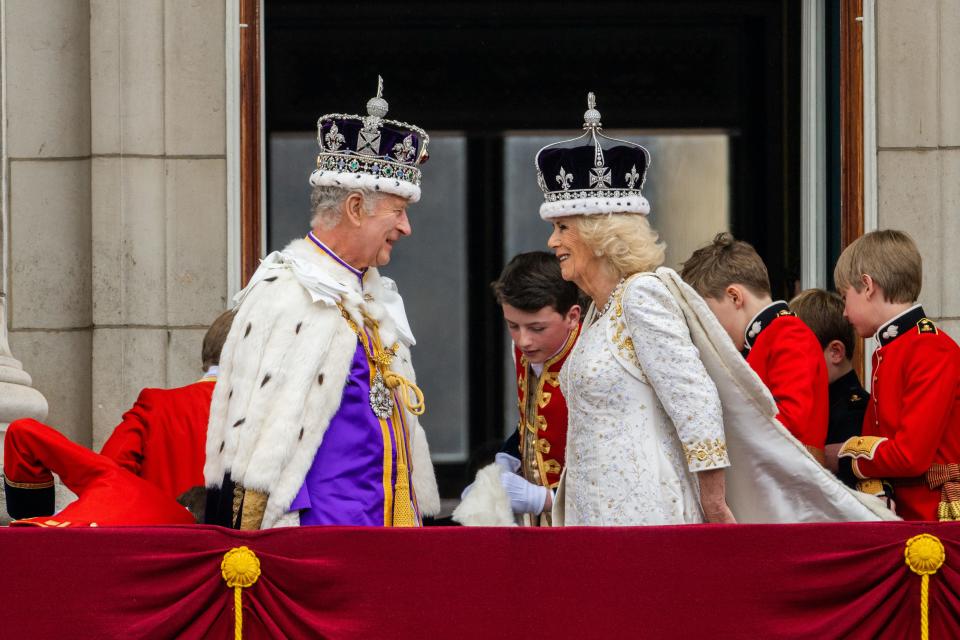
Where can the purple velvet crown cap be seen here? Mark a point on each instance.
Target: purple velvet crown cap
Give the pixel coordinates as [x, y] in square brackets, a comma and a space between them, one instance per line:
[592, 173]
[370, 152]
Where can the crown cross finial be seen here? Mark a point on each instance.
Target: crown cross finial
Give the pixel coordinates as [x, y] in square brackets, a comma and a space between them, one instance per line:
[591, 100]
[379, 86]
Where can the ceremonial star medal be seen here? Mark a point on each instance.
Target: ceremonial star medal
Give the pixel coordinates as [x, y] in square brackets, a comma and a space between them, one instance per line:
[381, 400]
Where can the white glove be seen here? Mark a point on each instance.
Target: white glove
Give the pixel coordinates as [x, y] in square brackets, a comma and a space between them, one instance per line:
[525, 497]
[507, 462]
[503, 460]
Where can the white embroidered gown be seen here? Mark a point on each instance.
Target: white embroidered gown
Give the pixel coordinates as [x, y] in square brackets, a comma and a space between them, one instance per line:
[643, 414]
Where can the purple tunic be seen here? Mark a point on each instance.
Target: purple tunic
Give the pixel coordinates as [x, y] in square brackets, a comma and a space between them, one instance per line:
[345, 483]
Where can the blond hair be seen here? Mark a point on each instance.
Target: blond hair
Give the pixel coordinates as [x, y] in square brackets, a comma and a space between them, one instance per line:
[889, 257]
[725, 261]
[626, 241]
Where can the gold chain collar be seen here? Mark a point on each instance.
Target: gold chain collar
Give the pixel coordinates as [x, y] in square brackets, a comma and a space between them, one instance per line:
[381, 357]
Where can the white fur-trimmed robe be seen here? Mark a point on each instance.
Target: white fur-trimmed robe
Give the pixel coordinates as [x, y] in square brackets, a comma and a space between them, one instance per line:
[283, 369]
[772, 478]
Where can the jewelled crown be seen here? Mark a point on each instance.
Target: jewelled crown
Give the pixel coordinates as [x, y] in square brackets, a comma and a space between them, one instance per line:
[370, 152]
[592, 173]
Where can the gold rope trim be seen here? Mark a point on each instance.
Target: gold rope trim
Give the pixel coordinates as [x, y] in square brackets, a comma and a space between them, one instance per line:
[240, 569]
[924, 554]
[404, 389]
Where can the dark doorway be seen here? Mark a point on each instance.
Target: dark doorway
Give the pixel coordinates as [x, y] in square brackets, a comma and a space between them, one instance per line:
[482, 69]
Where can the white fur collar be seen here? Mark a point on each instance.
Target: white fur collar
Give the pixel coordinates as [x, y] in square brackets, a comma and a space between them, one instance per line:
[329, 282]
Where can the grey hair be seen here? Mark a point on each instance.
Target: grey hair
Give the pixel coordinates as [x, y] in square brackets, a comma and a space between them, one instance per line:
[326, 204]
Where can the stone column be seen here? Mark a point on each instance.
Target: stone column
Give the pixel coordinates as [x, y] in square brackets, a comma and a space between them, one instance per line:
[158, 138]
[18, 399]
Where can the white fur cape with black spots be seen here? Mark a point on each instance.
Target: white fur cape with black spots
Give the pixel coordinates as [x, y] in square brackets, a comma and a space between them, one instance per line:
[282, 373]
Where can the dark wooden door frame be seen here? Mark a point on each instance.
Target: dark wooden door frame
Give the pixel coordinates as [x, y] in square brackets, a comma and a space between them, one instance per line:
[851, 133]
[251, 140]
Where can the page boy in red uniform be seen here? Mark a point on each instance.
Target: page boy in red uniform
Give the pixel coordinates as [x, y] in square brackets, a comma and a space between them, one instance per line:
[162, 438]
[822, 311]
[542, 315]
[780, 348]
[155, 454]
[911, 431]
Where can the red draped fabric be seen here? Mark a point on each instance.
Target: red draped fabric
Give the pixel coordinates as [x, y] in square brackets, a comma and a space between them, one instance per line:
[734, 581]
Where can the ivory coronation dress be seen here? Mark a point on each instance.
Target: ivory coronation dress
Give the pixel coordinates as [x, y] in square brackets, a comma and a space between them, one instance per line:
[644, 415]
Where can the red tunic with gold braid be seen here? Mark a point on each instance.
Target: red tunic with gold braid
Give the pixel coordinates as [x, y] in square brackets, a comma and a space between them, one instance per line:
[911, 430]
[543, 417]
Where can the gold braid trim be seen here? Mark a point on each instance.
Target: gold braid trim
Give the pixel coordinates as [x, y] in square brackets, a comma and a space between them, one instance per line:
[28, 485]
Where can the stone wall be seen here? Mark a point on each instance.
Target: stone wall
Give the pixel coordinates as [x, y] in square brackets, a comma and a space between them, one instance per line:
[117, 198]
[47, 113]
[158, 194]
[918, 140]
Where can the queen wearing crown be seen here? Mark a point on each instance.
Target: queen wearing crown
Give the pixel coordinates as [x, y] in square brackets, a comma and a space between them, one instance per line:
[315, 416]
[645, 442]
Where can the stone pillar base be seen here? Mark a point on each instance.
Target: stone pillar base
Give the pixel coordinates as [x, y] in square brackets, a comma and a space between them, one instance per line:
[17, 400]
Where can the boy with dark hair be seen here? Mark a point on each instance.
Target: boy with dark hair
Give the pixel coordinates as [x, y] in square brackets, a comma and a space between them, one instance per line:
[822, 311]
[542, 314]
[911, 433]
[780, 348]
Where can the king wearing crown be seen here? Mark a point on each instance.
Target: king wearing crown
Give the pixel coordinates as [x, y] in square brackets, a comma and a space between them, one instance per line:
[315, 416]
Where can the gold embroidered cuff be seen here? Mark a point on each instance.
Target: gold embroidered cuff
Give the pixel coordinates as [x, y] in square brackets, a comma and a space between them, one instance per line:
[706, 454]
[861, 447]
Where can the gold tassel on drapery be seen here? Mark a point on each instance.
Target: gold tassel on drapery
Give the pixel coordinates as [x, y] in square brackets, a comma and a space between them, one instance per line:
[240, 569]
[924, 555]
